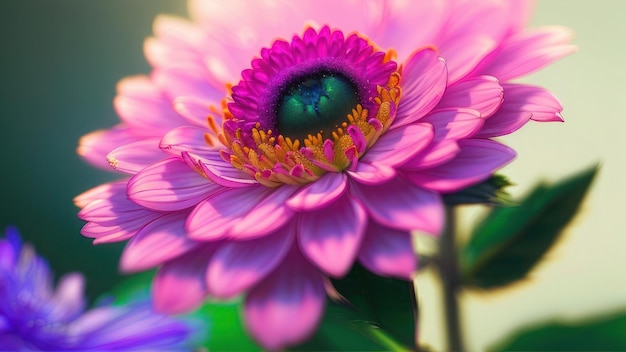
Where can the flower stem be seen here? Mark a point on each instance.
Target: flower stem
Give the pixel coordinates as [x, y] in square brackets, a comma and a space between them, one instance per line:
[416, 314]
[449, 272]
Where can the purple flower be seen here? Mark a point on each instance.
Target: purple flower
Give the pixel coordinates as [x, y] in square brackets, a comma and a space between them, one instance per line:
[36, 316]
[263, 166]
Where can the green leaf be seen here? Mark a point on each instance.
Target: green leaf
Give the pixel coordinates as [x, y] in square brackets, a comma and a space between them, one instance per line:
[512, 239]
[133, 288]
[377, 314]
[603, 334]
[226, 331]
[490, 191]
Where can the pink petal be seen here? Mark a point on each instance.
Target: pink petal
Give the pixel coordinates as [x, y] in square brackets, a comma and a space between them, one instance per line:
[142, 105]
[179, 285]
[94, 146]
[111, 210]
[472, 31]
[521, 103]
[286, 307]
[266, 216]
[187, 79]
[372, 174]
[483, 94]
[160, 54]
[239, 28]
[196, 111]
[424, 78]
[437, 154]
[103, 191]
[464, 52]
[399, 145]
[115, 233]
[528, 51]
[176, 39]
[133, 157]
[186, 139]
[159, 241]
[399, 19]
[454, 124]
[169, 185]
[478, 160]
[320, 193]
[223, 173]
[388, 252]
[520, 13]
[112, 217]
[238, 265]
[400, 205]
[214, 217]
[330, 237]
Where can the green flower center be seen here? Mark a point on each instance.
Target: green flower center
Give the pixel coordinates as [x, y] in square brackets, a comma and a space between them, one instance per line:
[314, 104]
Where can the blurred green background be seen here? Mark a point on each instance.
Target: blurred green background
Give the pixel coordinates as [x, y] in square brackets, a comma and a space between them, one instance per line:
[59, 63]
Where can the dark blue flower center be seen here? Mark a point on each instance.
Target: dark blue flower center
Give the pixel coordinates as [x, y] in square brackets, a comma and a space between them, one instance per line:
[315, 103]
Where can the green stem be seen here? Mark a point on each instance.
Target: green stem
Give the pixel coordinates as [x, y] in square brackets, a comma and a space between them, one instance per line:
[449, 271]
[416, 314]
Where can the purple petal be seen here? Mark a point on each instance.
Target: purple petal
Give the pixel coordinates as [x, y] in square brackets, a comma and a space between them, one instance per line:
[388, 252]
[424, 78]
[478, 160]
[330, 237]
[286, 307]
[133, 157]
[159, 241]
[483, 94]
[399, 204]
[319, 193]
[238, 265]
[521, 103]
[127, 328]
[68, 298]
[169, 185]
[399, 145]
[179, 285]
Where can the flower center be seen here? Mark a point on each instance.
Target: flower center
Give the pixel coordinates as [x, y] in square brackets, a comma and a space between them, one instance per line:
[316, 104]
[310, 106]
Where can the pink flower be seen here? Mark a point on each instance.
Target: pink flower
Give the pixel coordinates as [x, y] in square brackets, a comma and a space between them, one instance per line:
[263, 166]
